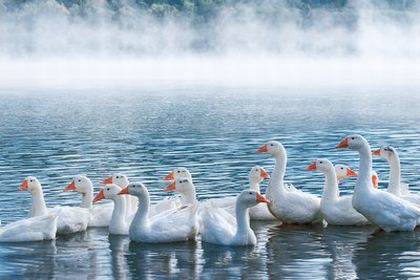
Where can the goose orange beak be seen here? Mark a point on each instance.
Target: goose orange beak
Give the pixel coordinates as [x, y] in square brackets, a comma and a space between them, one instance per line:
[376, 152]
[170, 187]
[343, 143]
[350, 172]
[262, 149]
[169, 176]
[311, 166]
[23, 185]
[99, 196]
[375, 181]
[264, 174]
[70, 187]
[124, 191]
[261, 198]
[107, 180]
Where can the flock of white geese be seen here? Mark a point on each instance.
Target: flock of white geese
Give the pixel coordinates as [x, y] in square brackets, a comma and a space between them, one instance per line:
[226, 221]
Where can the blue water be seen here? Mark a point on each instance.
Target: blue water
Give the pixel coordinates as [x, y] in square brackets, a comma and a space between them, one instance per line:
[56, 134]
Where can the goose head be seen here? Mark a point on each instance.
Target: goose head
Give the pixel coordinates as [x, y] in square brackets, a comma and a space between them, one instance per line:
[110, 191]
[250, 198]
[387, 152]
[118, 179]
[257, 174]
[137, 189]
[273, 148]
[353, 141]
[343, 171]
[178, 173]
[81, 184]
[322, 165]
[183, 186]
[31, 184]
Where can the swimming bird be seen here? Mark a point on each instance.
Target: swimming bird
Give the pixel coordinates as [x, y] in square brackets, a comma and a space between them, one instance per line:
[395, 186]
[387, 211]
[336, 209]
[219, 227]
[70, 219]
[100, 215]
[289, 205]
[172, 225]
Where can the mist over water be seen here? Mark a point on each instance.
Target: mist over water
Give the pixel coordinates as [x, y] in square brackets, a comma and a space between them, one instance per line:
[286, 43]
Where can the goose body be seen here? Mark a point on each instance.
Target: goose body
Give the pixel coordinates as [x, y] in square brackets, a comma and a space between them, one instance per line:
[395, 186]
[69, 219]
[288, 204]
[31, 229]
[172, 225]
[387, 211]
[120, 222]
[219, 227]
[99, 215]
[336, 209]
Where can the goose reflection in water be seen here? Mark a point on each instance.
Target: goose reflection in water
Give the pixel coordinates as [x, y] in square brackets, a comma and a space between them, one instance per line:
[180, 260]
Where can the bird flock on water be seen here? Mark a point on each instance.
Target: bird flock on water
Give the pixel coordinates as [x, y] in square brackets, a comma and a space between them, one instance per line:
[226, 220]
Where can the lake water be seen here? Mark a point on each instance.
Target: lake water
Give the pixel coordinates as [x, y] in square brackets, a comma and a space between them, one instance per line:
[56, 134]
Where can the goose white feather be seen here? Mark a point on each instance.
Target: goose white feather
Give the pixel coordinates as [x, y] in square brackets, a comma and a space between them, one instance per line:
[30, 229]
[120, 223]
[288, 204]
[394, 185]
[336, 209]
[387, 211]
[99, 215]
[220, 227]
[70, 219]
[168, 226]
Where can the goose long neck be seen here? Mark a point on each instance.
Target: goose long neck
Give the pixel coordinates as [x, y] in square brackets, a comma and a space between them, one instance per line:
[242, 218]
[87, 198]
[141, 217]
[394, 175]
[279, 171]
[365, 168]
[188, 197]
[118, 214]
[331, 191]
[255, 186]
[38, 208]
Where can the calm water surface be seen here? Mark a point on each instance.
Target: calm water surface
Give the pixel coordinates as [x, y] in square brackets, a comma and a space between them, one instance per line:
[55, 134]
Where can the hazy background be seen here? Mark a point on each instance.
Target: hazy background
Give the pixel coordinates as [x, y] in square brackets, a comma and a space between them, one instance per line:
[306, 43]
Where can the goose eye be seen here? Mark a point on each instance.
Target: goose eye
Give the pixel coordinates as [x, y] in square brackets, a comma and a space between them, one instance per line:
[79, 180]
[342, 168]
[320, 162]
[352, 138]
[180, 182]
[250, 193]
[107, 189]
[271, 145]
[179, 171]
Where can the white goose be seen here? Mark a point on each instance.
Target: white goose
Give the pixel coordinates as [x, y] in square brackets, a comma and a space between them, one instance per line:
[335, 209]
[30, 229]
[394, 185]
[70, 219]
[120, 223]
[168, 226]
[381, 208]
[100, 215]
[219, 227]
[288, 204]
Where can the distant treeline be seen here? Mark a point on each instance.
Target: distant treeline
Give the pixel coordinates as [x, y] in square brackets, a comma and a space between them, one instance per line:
[204, 10]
